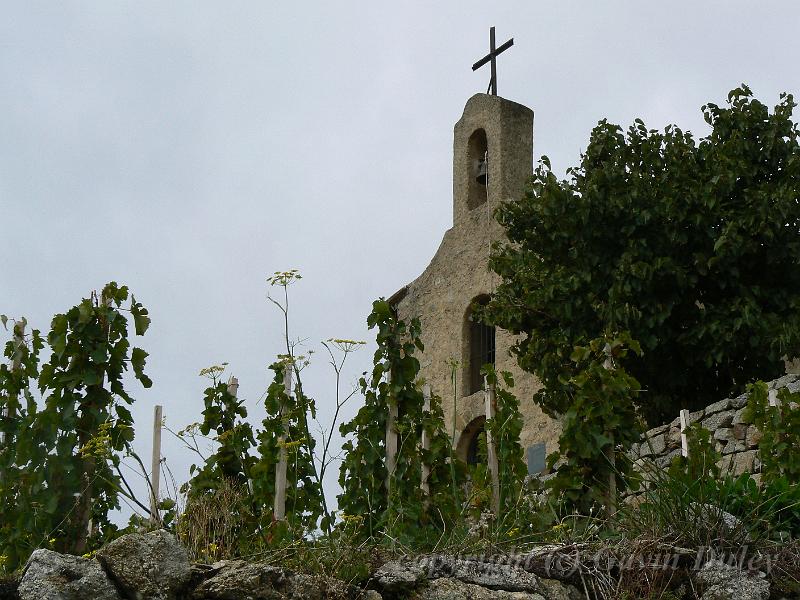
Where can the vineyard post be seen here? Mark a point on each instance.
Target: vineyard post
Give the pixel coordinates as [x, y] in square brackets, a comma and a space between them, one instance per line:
[155, 471]
[279, 508]
[610, 452]
[426, 441]
[684, 420]
[491, 451]
[391, 435]
[773, 397]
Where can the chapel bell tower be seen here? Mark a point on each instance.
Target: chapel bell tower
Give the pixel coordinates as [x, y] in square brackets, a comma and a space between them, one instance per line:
[492, 155]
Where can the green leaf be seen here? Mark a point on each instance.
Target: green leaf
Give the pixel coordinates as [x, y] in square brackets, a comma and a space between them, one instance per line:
[138, 360]
[141, 319]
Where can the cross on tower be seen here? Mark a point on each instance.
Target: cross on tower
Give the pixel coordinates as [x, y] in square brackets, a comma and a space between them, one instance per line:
[493, 53]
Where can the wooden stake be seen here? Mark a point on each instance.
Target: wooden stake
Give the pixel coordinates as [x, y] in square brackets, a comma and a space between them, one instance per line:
[491, 451]
[155, 465]
[611, 499]
[426, 442]
[684, 416]
[391, 436]
[773, 397]
[610, 452]
[279, 510]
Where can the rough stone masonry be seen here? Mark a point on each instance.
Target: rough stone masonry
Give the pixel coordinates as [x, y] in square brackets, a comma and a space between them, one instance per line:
[501, 133]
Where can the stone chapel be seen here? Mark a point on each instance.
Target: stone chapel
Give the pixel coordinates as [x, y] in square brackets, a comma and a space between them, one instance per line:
[492, 159]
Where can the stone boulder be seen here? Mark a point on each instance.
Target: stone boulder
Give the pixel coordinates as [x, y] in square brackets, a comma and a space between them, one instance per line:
[49, 575]
[152, 566]
[442, 576]
[726, 582]
[399, 577]
[239, 580]
[723, 525]
[453, 589]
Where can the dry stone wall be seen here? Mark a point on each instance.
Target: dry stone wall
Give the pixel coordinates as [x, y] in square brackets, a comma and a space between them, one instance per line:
[734, 438]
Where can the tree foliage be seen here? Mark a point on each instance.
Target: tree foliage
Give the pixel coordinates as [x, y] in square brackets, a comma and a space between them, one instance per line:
[690, 246]
[599, 426]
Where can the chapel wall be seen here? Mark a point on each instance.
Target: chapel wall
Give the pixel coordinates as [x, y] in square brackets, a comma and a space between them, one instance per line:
[459, 273]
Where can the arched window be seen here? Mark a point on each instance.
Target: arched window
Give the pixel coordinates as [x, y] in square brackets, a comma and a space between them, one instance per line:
[481, 344]
[478, 166]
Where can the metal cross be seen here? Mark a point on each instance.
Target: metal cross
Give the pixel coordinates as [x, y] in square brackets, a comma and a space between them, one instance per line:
[493, 53]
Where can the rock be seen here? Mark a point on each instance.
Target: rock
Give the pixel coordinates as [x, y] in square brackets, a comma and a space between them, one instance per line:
[49, 575]
[733, 447]
[726, 582]
[718, 524]
[740, 431]
[739, 401]
[150, 565]
[674, 438]
[656, 431]
[743, 462]
[237, 580]
[403, 576]
[666, 460]
[725, 434]
[445, 588]
[754, 436]
[557, 590]
[718, 406]
[489, 574]
[783, 381]
[399, 576]
[653, 446]
[738, 416]
[721, 420]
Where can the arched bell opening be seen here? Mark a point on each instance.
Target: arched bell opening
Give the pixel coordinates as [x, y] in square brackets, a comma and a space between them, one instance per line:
[478, 169]
[468, 448]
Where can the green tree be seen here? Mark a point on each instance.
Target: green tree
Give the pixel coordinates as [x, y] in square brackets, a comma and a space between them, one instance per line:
[691, 247]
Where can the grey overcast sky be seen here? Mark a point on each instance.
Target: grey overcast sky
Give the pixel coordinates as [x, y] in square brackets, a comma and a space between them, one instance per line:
[189, 149]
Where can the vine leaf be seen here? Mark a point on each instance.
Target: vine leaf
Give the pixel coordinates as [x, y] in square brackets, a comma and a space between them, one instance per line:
[138, 359]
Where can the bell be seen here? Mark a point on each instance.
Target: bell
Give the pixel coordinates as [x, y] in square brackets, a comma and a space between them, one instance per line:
[482, 176]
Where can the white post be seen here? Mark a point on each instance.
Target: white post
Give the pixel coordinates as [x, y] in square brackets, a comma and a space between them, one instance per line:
[233, 390]
[684, 417]
[610, 452]
[491, 451]
[773, 397]
[279, 509]
[391, 436]
[155, 469]
[426, 442]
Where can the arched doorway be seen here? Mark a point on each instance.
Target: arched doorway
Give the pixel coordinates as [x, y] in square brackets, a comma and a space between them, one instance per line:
[468, 448]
